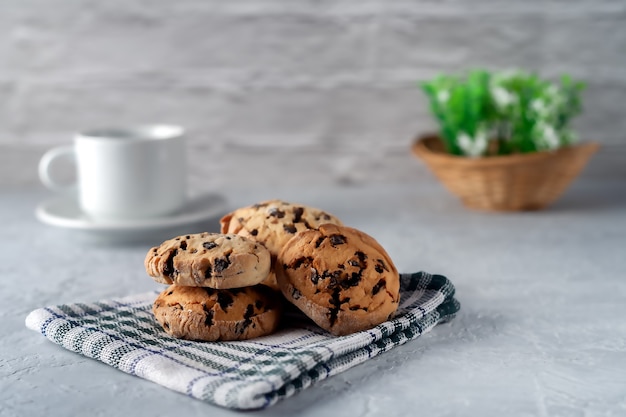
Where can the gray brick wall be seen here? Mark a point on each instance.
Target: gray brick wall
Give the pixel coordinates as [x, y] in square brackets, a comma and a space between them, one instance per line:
[324, 89]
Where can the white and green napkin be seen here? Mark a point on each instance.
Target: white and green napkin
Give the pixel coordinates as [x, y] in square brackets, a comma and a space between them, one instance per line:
[240, 375]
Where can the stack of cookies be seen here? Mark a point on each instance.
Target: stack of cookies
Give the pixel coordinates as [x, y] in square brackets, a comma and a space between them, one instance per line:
[223, 284]
[215, 292]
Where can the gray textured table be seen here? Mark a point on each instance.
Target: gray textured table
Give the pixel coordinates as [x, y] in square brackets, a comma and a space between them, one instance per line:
[541, 332]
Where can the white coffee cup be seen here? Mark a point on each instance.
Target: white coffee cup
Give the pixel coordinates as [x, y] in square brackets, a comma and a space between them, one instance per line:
[124, 173]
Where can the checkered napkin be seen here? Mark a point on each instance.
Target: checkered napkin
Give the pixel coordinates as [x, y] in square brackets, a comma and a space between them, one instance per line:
[241, 375]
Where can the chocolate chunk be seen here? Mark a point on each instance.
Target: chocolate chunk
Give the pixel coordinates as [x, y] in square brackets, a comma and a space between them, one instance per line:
[221, 264]
[315, 277]
[334, 311]
[295, 294]
[274, 212]
[290, 228]
[208, 320]
[334, 278]
[326, 216]
[258, 304]
[332, 315]
[297, 214]
[380, 284]
[188, 237]
[254, 232]
[224, 299]
[319, 241]
[209, 291]
[170, 292]
[380, 266]
[334, 298]
[337, 240]
[208, 272]
[209, 245]
[300, 261]
[168, 269]
[249, 312]
[247, 316]
[183, 245]
[360, 261]
[352, 281]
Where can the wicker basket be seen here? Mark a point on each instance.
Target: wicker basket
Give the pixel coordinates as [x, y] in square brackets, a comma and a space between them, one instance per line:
[505, 183]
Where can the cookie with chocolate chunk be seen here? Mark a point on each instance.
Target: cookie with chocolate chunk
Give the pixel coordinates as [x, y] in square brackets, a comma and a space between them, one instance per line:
[208, 314]
[340, 277]
[209, 260]
[273, 223]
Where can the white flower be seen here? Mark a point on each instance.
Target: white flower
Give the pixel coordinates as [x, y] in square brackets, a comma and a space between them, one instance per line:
[443, 96]
[502, 97]
[556, 97]
[472, 147]
[553, 91]
[539, 106]
[548, 137]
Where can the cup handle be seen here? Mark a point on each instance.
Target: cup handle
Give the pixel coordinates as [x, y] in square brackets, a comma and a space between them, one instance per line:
[46, 162]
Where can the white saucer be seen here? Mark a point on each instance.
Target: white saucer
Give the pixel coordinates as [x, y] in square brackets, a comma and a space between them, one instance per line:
[66, 213]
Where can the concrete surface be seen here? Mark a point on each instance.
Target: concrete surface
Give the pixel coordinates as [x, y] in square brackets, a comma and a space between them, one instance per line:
[541, 332]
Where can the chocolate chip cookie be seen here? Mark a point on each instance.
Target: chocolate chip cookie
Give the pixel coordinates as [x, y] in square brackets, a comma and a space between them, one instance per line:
[340, 277]
[273, 223]
[208, 314]
[209, 260]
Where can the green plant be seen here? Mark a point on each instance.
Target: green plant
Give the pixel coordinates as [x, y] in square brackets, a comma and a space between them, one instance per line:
[501, 113]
